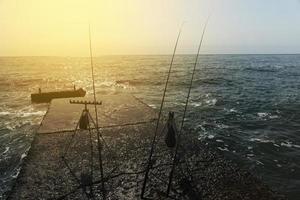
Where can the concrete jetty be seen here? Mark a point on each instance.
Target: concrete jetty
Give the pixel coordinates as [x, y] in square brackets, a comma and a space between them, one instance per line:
[127, 126]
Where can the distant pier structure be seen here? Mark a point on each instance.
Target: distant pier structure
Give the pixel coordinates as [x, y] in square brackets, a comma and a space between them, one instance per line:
[126, 125]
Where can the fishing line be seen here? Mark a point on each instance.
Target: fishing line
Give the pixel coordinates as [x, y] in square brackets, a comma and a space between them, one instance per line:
[159, 116]
[96, 112]
[175, 158]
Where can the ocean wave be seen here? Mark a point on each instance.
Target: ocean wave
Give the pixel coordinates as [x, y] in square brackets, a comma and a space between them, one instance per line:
[130, 82]
[21, 113]
[16, 174]
[15, 124]
[260, 140]
[222, 126]
[114, 85]
[196, 104]
[211, 102]
[28, 114]
[277, 144]
[6, 150]
[152, 106]
[259, 162]
[210, 136]
[250, 155]
[289, 145]
[223, 148]
[231, 110]
[203, 134]
[213, 81]
[265, 115]
[262, 69]
[4, 113]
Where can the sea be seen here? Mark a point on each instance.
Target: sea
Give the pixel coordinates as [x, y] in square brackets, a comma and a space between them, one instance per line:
[245, 106]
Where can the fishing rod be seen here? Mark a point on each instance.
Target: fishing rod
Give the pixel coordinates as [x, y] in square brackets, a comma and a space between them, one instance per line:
[159, 116]
[175, 158]
[99, 145]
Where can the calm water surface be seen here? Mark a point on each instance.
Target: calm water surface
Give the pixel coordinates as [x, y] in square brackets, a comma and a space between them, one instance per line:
[247, 106]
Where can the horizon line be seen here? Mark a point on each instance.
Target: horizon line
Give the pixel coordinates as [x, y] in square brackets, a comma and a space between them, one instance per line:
[181, 54]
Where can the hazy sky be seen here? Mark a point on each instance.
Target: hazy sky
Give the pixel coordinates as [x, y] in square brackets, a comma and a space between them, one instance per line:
[60, 27]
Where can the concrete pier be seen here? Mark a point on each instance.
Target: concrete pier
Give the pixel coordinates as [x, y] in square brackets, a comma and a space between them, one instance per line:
[116, 110]
[127, 126]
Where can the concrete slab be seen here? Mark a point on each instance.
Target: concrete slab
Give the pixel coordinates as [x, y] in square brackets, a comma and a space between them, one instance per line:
[116, 110]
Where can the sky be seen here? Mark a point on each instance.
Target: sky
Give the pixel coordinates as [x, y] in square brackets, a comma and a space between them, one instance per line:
[60, 27]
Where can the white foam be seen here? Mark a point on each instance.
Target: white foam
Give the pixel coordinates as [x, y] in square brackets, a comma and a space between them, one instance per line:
[262, 114]
[210, 136]
[211, 102]
[222, 126]
[223, 149]
[6, 150]
[261, 140]
[289, 145]
[27, 111]
[16, 174]
[232, 110]
[276, 145]
[23, 155]
[9, 127]
[113, 84]
[259, 163]
[286, 144]
[152, 105]
[3, 113]
[196, 104]
[201, 127]
[29, 114]
[297, 146]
